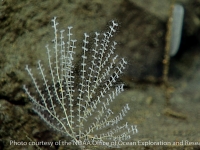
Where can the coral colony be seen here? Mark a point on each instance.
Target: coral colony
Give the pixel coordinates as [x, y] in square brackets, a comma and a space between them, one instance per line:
[78, 104]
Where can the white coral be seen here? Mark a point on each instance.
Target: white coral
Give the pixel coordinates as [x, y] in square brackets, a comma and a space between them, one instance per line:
[69, 107]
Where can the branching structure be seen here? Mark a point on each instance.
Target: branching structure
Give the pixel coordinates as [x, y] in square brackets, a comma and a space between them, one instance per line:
[78, 105]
